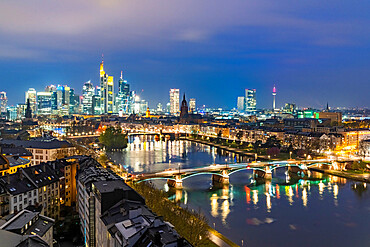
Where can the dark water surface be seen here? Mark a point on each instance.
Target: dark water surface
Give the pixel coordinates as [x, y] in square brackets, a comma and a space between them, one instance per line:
[287, 211]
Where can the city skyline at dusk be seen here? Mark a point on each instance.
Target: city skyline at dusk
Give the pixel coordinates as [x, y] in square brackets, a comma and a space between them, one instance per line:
[312, 52]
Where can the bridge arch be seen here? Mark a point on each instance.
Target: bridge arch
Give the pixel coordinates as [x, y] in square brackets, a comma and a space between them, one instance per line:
[200, 173]
[150, 179]
[246, 168]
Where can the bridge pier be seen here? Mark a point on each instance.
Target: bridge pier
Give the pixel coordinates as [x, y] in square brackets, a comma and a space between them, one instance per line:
[175, 183]
[221, 178]
[299, 170]
[265, 174]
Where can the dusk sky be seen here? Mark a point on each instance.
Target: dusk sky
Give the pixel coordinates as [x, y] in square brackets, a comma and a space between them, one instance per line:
[314, 51]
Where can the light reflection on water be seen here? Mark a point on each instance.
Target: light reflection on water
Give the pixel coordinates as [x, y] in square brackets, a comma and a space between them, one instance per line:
[325, 210]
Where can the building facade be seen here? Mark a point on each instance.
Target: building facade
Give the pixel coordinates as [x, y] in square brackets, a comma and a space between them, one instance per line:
[174, 101]
[250, 100]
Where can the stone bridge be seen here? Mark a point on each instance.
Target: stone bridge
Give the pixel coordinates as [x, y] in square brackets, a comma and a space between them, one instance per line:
[221, 172]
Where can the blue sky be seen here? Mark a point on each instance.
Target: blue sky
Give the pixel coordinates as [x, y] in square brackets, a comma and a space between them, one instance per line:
[314, 51]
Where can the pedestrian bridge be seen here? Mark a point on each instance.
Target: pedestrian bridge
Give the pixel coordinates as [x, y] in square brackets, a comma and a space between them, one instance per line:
[221, 172]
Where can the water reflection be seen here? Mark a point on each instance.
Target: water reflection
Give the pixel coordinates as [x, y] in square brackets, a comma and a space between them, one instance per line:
[287, 207]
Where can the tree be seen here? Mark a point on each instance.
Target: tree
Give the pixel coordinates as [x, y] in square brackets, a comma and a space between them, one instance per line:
[359, 165]
[113, 138]
[257, 145]
[239, 135]
[273, 151]
[271, 142]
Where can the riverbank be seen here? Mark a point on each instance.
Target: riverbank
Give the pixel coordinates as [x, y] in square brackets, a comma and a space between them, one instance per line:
[196, 229]
[344, 174]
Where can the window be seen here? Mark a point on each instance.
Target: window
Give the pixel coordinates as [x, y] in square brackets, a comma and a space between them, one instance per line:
[15, 209]
[25, 201]
[40, 198]
[34, 193]
[20, 207]
[20, 197]
[15, 199]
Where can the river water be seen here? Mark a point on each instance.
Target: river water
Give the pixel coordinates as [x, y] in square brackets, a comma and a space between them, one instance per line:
[286, 211]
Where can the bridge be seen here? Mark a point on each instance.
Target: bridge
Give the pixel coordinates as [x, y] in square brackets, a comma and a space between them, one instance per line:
[221, 172]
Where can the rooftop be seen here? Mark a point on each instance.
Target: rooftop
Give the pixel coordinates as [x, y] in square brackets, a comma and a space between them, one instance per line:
[41, 144]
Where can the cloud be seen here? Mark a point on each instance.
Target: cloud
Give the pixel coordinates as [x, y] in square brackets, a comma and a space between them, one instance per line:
[81, 25]
[192, 35]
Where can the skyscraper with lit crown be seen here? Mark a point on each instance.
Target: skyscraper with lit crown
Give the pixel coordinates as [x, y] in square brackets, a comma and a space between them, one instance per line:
[106, 91]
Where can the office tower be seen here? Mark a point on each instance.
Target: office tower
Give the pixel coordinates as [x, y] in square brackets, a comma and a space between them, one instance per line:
[139, 106]
[168, 107]
[289, 108]
[21, 110]
[159, 108]
[73, 101]
[44, 103]
[174, 101]
[53, 90]
[88, 92]
[59, 97]
[241, 103]
[124, 96]
[250, 100]
[11, 113]
[31, 95]
[192, 105]
[62, 99]
[106, 91]
[50, 88]
[274, 98]
[3, 103]
[96, 101]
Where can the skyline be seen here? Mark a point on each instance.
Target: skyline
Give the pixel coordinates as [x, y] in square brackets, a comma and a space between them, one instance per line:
[173, 45]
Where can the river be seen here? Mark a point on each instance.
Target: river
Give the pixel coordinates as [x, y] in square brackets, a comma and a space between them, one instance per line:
[321, 211]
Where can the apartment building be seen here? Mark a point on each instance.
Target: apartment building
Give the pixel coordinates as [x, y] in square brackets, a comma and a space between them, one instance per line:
[31, 223]
[44, 150]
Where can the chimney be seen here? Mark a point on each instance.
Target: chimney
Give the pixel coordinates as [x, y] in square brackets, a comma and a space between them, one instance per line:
[21, 175]
[8, 177]
[44, 167]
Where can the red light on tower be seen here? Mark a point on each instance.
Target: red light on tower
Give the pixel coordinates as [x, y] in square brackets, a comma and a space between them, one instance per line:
[273, 95]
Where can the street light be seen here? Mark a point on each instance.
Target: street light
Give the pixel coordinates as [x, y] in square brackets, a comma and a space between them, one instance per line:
[255, 157]
[290, 154]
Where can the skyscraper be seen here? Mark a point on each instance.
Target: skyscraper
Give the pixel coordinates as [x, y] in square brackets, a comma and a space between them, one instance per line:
[124, 100]
[31, 95]
[241, 103]
[192, 105]
[250, 100]
[88, 92]
[3, 103]
[274, 98]
[44, 103]
[174, 101]
[106, 91]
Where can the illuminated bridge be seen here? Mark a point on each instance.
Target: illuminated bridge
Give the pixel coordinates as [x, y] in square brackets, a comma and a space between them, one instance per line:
[221, 172]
